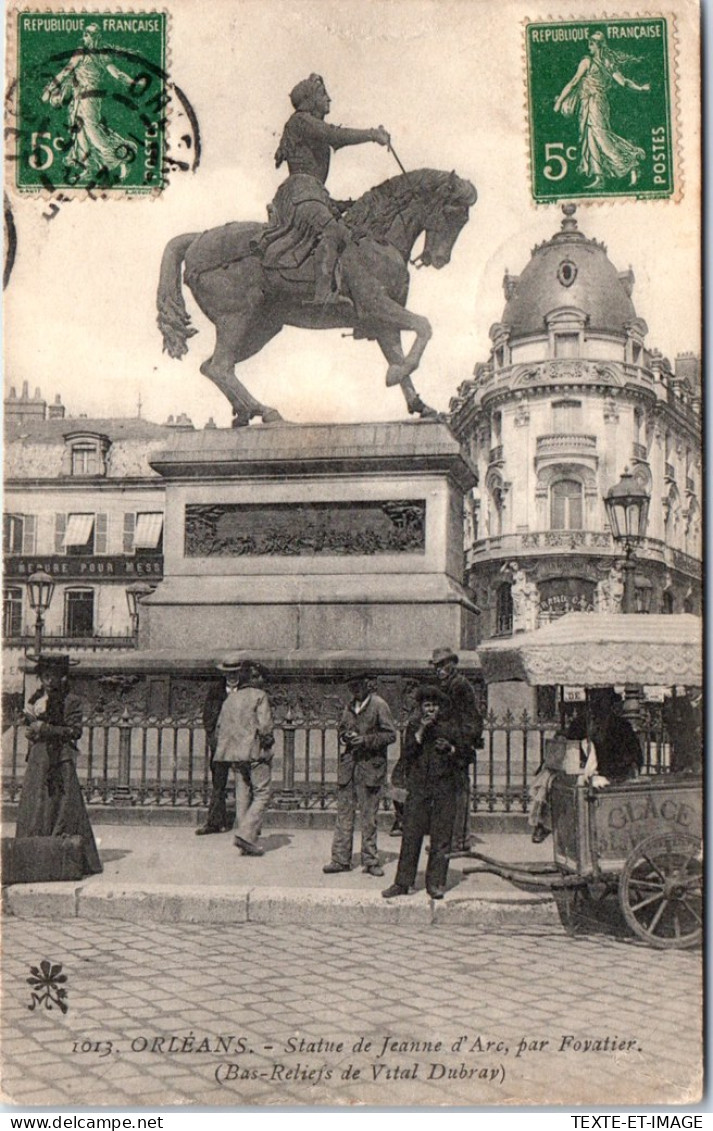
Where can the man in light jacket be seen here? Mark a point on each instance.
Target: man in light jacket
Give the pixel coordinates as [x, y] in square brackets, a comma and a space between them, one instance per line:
[245, 738]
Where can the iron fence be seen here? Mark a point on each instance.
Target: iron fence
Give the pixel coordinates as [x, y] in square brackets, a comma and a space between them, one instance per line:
[165, 763]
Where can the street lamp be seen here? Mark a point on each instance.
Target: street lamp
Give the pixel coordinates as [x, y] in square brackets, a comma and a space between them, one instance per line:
[627, 506]
[40, 589]
[134, 593]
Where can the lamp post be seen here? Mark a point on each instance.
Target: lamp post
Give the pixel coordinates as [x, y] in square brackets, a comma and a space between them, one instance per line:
[134, 593]
[40, 589]
[627, 505]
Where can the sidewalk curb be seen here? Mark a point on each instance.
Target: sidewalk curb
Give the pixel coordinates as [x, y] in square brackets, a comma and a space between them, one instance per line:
[172, 903]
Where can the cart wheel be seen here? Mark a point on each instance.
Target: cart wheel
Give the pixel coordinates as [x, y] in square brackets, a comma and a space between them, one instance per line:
[661, 890]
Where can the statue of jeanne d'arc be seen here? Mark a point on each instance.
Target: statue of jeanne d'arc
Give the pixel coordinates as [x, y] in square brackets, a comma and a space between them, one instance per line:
[303, 216]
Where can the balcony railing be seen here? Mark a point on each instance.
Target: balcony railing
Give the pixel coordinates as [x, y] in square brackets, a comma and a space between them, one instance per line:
[669, 472]
[585, 541]
[496, 454]
[165, 764]
[640, 453]
[558, 443]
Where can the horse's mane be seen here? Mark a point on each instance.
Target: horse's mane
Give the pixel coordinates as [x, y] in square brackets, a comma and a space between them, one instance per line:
[375, 211]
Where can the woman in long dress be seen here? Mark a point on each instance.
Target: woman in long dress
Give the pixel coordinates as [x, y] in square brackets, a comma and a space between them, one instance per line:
[603, 153]
[51, 803]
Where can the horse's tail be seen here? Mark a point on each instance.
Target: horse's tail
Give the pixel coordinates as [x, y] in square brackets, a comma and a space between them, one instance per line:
[174, 321]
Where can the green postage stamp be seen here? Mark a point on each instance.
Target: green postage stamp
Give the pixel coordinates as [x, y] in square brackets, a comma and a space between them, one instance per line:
[599, 99]
[90, 101]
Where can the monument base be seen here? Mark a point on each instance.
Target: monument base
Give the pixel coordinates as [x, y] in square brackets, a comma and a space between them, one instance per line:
[288, 539]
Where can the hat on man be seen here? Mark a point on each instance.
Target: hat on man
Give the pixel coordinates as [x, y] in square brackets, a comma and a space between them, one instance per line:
[58, 662]
[442, 656]
[432, 693]
[231, 662]
[359, 677]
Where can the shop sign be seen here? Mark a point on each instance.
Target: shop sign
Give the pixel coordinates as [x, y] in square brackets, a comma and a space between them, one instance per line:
[94, 568]
[562, 595]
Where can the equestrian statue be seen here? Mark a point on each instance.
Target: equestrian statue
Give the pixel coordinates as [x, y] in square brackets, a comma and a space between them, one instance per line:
[318, 263]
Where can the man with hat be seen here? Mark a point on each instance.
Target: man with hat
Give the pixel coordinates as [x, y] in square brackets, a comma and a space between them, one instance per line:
[433, 768]
[244, 737]
[464, 714]
[366, 730]
[51, 802]
[217, 818]
[303, 216]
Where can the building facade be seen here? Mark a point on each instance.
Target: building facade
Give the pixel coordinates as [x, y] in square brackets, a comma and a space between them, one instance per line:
[571, 397]
[82, 504]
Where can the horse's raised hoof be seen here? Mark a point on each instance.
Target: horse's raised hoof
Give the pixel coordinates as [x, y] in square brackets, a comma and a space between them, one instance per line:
[424, 410]
[271, 416]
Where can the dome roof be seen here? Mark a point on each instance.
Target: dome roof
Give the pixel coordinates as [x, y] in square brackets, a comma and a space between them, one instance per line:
[568, 270]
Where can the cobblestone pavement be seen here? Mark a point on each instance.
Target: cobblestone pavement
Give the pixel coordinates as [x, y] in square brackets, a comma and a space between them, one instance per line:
[250, 1014]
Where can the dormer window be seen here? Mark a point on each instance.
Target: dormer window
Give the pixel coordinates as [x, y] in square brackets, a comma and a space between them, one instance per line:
[85, 454]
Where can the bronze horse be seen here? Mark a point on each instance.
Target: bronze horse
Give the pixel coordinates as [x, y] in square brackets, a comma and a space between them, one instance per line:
[249, 305]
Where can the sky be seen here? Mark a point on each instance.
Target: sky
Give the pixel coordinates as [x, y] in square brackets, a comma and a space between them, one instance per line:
[446, 78]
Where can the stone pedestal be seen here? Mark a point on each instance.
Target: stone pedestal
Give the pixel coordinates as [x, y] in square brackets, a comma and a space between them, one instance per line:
[307, 541]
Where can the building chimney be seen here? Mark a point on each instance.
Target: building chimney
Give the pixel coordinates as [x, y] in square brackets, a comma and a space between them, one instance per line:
[57, 410]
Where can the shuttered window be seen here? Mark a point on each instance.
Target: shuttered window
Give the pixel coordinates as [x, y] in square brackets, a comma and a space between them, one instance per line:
[29, 534]
[129, 525]
[101, 534]
[60, 525]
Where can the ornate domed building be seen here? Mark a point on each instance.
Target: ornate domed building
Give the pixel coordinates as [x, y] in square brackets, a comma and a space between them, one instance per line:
[571, 398]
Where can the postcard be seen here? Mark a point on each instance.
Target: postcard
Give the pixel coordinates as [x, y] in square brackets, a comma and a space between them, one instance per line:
[353, 559]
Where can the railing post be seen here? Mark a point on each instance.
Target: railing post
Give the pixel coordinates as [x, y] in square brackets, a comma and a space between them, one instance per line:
[122, 793]
[287, 798]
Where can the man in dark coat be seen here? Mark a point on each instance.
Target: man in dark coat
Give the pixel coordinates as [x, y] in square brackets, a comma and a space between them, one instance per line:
[619, 753]
[366, 730]
[682, 717]
[433, 770]
[464, 714]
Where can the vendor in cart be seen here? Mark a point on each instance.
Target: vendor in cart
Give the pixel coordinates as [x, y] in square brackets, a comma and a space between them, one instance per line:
[618, 751]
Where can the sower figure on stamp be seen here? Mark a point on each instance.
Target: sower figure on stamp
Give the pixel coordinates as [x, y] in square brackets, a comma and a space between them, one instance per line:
[366, 730]
[84, 83]
[303, 216]
[245, 738]
[433, 769]
[464, 715]
[217, 818]
[603, 154]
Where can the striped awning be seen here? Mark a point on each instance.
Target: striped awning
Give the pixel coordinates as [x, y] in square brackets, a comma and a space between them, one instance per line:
[147, 534]
[79, 529]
